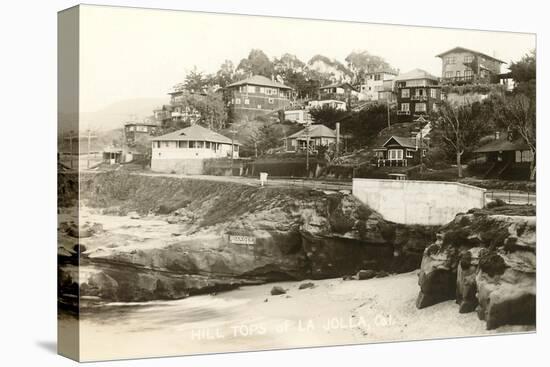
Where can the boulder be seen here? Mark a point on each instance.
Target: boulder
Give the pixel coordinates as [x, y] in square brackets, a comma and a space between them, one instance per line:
[277, 290]
[437, 276]
[306, 285]
[506, 284]
[366, 274]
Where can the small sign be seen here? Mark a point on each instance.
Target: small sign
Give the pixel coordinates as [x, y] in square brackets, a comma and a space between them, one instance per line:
[242, 240]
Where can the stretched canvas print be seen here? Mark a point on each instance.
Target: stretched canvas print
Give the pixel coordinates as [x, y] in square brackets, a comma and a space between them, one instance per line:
[237, 183]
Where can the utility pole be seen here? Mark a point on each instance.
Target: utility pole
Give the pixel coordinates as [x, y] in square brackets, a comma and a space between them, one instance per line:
[307, 150]
[232, 148]
[388, 107]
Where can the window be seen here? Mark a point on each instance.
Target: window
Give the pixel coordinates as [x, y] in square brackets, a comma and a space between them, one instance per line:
[404, 107]
[395, 154]
[199, 144]
[458, 73]
[420, 107]
[405, 93]
[450, 60]
[271, 100]
[237, 101]
[409, 153]
[259, 106]
[468, 58]
[207, 145]
[192, 144]
[183, 144]
[448, 74]
[433, 93]
[250, 89]
[257, 89]
[167, 144]
[468, 73]
[246, 101]
[377, 77]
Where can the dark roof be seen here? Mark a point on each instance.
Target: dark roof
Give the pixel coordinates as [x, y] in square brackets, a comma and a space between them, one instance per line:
[502, 145]
[415, 74]
[404, 142]
[457, 49]
[315, 131]
[338, 85]
[259, 80]
[195, 132]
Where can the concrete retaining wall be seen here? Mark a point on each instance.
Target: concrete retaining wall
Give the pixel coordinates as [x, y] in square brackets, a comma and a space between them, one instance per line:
[418, 202]
[185, 166]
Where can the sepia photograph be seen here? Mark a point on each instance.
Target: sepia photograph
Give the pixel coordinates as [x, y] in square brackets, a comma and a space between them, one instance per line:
[231, 183]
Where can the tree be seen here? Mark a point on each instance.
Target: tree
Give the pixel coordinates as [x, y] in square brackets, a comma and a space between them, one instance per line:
[518, 114]
[362, 62]
[265, 138]
[460, 127]
[524, 73]
[226, 74]
[195, 81]
[365, 125]
[327, 115]
[257, 63]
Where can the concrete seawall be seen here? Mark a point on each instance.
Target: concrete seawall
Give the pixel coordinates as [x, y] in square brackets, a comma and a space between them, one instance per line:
[418, 202]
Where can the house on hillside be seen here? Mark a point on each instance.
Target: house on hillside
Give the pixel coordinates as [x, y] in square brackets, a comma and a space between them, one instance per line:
[185, 150]
[400, 151]
[506, 157]
[374, 83]
[299, 116]
[179, 110]
[332, 103]
[134, 130]
[312, 136]
[418, 93]
[344, 92]
[463, 66]
[257, 96]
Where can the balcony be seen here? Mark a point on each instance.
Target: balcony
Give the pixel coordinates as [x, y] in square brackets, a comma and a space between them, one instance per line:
[403, 112]
[458, 80]
[419, 98]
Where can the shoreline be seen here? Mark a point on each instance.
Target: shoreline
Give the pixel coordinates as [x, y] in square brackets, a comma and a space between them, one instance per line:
[249, 318]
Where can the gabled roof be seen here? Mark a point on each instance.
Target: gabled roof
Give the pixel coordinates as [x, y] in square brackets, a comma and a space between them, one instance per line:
[195, 132]
[404, 142]
[502, 145]
[338, 85]
[459, 49]
[415, 74]
[315, 131]
[261, 81]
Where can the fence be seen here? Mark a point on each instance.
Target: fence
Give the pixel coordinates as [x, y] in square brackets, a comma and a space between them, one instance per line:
[512, 197]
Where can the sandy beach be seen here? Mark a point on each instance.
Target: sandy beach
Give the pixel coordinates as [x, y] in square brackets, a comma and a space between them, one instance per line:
[334, 312]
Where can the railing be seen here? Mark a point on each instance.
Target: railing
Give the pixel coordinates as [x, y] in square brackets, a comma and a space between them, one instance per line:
[419, 98]
[403, 112]
[457, 79]
[391, 162]
[512, 197]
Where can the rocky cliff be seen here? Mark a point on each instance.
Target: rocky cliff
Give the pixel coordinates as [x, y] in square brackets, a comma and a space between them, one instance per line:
[188, 227]
[486, 260]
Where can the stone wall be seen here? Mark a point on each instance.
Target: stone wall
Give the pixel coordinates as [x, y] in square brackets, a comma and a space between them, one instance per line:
[418, 202]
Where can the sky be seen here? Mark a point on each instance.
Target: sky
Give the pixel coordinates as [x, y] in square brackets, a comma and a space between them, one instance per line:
[129, 53]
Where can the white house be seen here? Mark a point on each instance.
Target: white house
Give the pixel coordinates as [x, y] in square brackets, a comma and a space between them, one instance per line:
[299, 116]
[336, 104]
[184, 151]
[374, 83]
